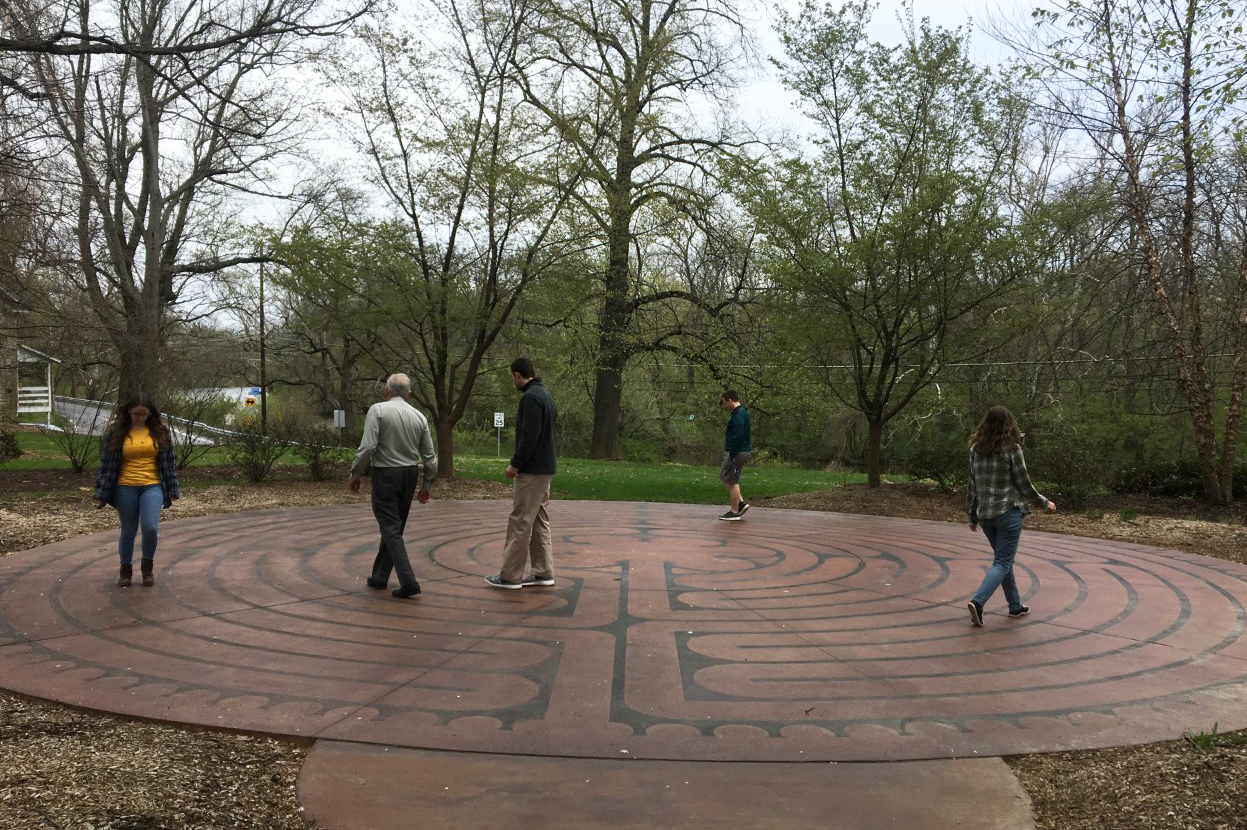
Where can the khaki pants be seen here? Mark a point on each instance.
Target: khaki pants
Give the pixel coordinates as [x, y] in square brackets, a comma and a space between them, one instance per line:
[528, 529]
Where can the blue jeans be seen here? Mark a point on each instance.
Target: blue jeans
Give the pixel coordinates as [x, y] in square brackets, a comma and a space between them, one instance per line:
[138, 506]
[1003, 533]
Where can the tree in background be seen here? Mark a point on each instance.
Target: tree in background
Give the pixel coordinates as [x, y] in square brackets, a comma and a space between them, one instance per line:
[1154, 84]
[612, 77]
[894, 242]
[155, 112]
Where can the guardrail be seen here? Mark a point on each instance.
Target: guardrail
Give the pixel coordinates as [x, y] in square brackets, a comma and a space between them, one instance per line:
[187, 425]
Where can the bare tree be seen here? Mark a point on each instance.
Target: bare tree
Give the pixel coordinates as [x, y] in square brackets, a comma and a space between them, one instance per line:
[613, 77]
[1153, 83]
[478, 194]
[159, 112]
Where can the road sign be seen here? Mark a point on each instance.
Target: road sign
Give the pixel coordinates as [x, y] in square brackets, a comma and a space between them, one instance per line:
[250, 401]
[499, 421]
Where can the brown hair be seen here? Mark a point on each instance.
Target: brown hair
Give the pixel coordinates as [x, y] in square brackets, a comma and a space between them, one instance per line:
[997, 432]
[730, 395]
[120, 425]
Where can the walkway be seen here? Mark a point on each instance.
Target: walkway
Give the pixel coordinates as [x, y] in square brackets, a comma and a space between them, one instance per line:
[790, 636]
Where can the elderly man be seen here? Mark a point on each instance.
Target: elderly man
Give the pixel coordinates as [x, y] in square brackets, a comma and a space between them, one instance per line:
[396, 440]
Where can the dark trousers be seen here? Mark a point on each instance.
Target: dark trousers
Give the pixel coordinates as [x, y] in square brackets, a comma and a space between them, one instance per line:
[392, 491]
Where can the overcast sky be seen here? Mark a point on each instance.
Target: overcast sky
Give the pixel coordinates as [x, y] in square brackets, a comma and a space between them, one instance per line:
[767, 101]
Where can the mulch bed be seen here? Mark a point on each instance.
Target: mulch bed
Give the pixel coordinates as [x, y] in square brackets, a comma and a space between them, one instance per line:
[63, 768]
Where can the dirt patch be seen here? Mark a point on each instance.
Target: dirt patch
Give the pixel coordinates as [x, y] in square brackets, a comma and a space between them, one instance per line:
[63, 768]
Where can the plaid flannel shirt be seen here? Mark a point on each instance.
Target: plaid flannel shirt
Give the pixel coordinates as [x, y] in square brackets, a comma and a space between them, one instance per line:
[110, 471]
[999, 483]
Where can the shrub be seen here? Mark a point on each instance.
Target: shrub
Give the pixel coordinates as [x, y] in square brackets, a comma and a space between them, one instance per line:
[9, 450]
[1063, 458]
[81, 448]
[1176, 478]
[256, 453]
[317, 446]
[946, 462]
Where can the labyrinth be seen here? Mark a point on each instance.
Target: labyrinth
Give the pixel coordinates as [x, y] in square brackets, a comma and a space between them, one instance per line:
[790, 636]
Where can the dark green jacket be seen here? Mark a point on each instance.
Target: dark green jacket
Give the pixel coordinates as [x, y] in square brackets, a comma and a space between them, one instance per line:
[736, 438]
[536, 431]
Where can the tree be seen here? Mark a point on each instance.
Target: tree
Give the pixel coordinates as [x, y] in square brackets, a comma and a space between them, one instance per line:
[611, 77]
[893, 243]
[159, 111]
[1152, 84]
[477, 196]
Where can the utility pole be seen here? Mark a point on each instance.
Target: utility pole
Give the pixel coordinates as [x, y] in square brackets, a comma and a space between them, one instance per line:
[263, 379]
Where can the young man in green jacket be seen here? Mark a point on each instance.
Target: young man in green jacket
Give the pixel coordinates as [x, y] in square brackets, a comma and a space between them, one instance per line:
[736, 454]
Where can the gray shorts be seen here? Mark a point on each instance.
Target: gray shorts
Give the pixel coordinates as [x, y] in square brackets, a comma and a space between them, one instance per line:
[729, 473]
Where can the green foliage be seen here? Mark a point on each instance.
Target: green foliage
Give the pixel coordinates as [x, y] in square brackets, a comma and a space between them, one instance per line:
[9, 450]
[1175, 478]
[318, 446]
[1062, 457]
[1207, 741]
[1129, 514]
[255, 452]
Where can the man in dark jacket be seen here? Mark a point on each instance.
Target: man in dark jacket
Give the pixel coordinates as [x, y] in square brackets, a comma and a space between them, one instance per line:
[736, 454]
[532, 466]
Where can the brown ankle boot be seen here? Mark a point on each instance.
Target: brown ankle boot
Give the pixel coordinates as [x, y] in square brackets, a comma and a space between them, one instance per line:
[127, 572]
[145, 567]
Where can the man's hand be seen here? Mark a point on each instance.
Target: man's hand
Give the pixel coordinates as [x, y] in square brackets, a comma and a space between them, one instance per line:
[423, 495]
[354, 483]
[1051, 507]
[512, 472]
[973, 527]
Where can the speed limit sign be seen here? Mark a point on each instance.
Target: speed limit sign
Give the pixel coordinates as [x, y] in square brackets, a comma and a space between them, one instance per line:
[498, 420]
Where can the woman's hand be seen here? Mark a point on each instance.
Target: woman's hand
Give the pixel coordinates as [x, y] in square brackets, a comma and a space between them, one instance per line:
[1051, 507]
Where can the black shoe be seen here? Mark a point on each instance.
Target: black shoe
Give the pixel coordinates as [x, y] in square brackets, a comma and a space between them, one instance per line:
[1021, 612]
[409, 591]
[730, 516]
[533, 579]
[372, 583]
[976, 613]
[499, 582]
[744, 508]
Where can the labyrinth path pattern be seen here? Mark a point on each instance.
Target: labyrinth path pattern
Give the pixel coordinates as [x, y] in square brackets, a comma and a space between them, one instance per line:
[792, 636]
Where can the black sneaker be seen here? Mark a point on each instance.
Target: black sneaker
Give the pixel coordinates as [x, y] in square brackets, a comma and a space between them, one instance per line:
[407, 591]
[976, 613]
[533, 579]
[376, 583]
[729, 516]
[1021, 612]
[499, 582]
[744, 508]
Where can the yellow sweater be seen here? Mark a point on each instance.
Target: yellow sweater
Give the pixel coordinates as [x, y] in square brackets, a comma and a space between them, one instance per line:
[138, 459]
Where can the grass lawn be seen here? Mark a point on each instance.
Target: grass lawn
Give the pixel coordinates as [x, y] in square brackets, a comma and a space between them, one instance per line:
[581, 478]
[578, 478]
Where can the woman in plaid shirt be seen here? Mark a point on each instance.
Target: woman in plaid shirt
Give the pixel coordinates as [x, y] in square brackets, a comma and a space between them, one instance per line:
[997, 498]
[138, 476]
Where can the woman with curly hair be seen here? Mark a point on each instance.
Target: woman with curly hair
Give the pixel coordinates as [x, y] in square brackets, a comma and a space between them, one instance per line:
[996, 498]
[139, 477]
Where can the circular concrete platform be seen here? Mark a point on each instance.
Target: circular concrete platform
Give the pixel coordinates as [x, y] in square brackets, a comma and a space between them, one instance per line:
[790, 636]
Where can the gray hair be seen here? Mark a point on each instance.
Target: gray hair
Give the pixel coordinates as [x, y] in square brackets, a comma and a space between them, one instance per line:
[398, 384]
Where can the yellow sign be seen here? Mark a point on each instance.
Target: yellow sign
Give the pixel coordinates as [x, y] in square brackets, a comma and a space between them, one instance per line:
[249, 401]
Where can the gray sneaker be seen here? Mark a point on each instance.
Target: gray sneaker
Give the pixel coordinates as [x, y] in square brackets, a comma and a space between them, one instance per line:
[499, 582]
[729, 516]
[533, 579]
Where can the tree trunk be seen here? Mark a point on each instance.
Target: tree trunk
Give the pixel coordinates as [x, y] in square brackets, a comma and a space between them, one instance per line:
[446, 450]
[612, 333]
[874, 440]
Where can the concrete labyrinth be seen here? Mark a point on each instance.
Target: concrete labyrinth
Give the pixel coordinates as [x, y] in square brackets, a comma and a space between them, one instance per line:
[789, 636]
